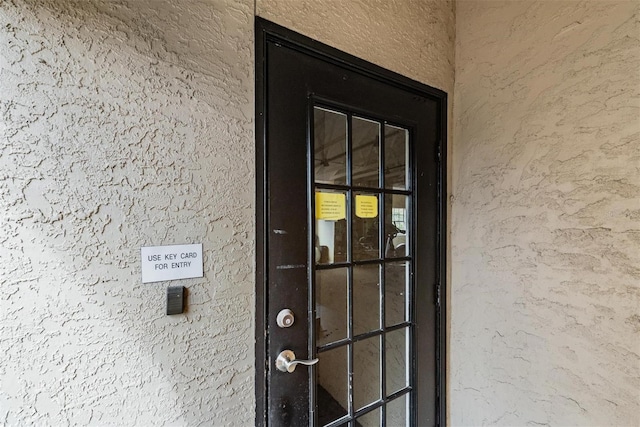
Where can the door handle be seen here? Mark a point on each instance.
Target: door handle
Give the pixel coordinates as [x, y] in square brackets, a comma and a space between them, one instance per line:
[286, 361]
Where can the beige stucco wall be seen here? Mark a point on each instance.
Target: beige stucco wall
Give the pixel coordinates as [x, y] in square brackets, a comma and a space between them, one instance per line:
[130, 123]
[413, 38]
[545, 325]
[125, 124]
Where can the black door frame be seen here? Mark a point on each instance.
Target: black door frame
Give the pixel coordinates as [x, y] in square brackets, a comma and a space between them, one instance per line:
[268, 31]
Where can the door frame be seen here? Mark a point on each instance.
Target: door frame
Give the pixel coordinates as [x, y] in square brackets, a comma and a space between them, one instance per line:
[268, 31]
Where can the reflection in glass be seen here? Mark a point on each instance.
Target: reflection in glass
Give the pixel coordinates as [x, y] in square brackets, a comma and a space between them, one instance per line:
[396, 219]
[366, 372]
[365, 153]
[365, 230]
[370, 419]
[333, 385]
[396, 351]
[331, 305]
[396, 156]
[397, 411]
[366, 298]
[331, 241]
[330, 142]
[396, 278]
[331, 227]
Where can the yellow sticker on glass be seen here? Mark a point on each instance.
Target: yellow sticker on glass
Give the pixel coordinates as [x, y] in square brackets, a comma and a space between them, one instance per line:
[366, 206]
[331, 206]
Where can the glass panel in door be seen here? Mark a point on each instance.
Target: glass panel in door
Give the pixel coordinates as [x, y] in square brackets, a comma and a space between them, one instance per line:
[330, 136]
[361, 276]
[365, 153]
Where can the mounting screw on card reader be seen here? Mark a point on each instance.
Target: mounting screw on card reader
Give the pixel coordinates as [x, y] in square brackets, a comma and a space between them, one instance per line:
[175, 299]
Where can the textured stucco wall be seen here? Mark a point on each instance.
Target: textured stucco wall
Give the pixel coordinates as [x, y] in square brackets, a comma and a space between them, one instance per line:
[546, 218]
[125, 124]
[413, 38]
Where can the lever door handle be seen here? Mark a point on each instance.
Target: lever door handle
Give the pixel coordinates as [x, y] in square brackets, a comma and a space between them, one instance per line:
[286, 361]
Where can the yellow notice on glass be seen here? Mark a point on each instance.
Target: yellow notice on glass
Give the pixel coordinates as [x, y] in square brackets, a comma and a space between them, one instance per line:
[331, 206]
[366, 206]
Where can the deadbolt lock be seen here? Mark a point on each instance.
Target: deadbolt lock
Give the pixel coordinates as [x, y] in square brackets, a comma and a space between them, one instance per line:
[285, 318]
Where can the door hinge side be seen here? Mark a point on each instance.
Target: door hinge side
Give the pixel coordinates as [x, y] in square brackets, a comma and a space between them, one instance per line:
[436, 294]
[439, 152]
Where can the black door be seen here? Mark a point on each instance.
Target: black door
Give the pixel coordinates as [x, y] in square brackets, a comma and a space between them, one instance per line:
[350, 254]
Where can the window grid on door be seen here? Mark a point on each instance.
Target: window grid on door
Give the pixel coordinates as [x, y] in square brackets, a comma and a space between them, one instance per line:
[372, 340]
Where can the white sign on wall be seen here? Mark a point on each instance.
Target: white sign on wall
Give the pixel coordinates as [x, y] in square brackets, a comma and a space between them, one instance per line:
[160, 263]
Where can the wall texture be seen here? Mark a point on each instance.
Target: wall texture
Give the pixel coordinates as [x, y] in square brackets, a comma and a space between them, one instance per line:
[125, 124]
[546, 268]
[413, 38]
